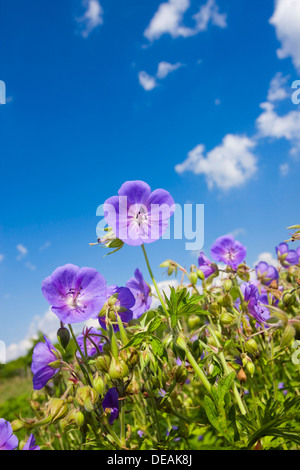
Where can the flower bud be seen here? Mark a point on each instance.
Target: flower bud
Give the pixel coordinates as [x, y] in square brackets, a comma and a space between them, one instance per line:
[194, 322]
[250, 368]
[63, 336]
[102, 363]
[289, 299]
[181, 374]
[215, 308]
[98, 385]
[243, 272]
[117, 369]
[58, 409]
[227, 284]
[226, 300]
[226, 318]
[193, 278]
[251, 346]
[200, 275]
[241, 376]
[16, 425]
[133, 357]
[288, 335]
[87, 396]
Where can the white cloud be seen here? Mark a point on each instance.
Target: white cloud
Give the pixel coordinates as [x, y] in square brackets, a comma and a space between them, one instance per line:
[268, 258]
[92, 18]
[22, 251]
[147, 81]
[30, 266]
[226, 166]
[168, 19]
[271, 124]
[286, 20]
[277, 90]
[165, 68]
[1, 257]
[46, 245]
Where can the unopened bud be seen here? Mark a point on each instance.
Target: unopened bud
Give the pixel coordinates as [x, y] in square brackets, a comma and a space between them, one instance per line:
[200, 275]
[16, 425]
[118, 369]
[226, 318]
[181, 374]
[194, 322]
[227, 284]
[63, 336]
[193, 278]
[241, 376]
[243, 272]
[288, 299]
[102, 363]
[98, 385]
[251, 346]
[288, 335]
[250, 368]
[58, 409]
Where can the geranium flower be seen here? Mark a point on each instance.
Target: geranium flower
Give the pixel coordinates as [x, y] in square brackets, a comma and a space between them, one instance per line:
[30, 444]
[120, 300]
[90, 341]
[228, 250]
[137, 215]
[286, 256]
[255, 302]
[45, 363]
[141, 292]
[266, 273]
[8, 441]
[75, 294]
[205, 265]
[110, 404]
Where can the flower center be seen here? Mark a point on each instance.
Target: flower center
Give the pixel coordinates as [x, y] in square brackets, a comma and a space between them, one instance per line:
[141, 216]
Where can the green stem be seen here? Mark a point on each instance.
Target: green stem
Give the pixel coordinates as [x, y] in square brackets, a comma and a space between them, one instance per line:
[84, 371]
[122, 422]
[197, 369]
[154, 281]
[227, 371]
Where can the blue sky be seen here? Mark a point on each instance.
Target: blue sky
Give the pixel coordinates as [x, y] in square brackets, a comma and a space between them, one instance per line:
[194, 96]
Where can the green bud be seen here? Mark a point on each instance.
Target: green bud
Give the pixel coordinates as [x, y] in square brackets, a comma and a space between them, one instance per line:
[181, 374]
[215, 308]
[98, 385]
[210, 369]
[289, 299]
[251, 346]
[58, 409]
[63, 336]
[288, 335]
[184, 429]
[200, 275]
[243, 272]
[193, 278]
[250, 368]
[102, 363]
[118, 369]
[16, 425]
[194, 322]
[226, 318]
[227, 300]
[227, 284]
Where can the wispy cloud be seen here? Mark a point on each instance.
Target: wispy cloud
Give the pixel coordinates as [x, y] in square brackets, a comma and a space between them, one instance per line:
[168, 19]
[1, 257]
[46, 245]
[92, 17]
[149, 82]
[22, 251]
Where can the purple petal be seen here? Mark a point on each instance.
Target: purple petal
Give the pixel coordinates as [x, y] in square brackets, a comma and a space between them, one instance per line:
[137, 192]
[8, 441]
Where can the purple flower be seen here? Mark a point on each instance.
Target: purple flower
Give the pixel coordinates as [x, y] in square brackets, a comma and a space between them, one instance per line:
[90, 341]
[75, 294]
[228, 250]
[111, 404]
[205, 265]
[298, 253]
[8, 441]
[286, 256]
[137, 215]
[30, 444]
[255, 300]
[44, 363]
[266, 273]
[120, 300]
[141, 292]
